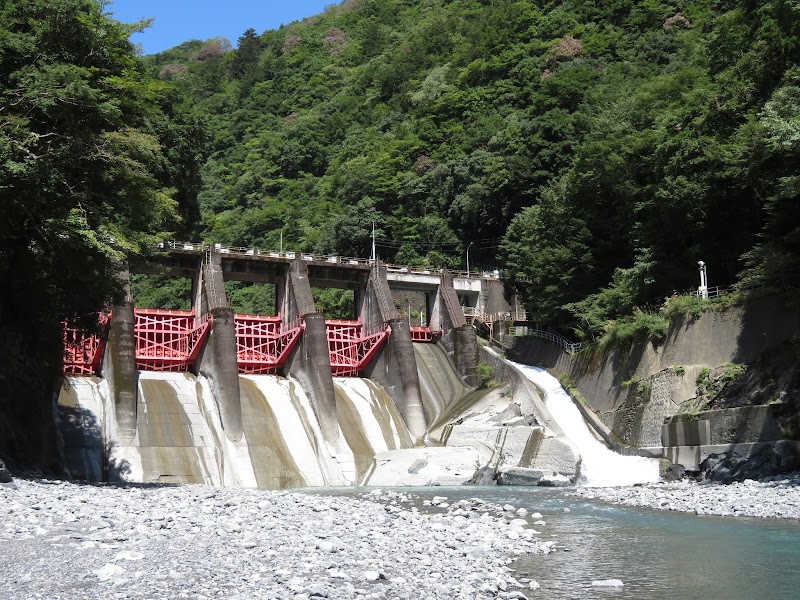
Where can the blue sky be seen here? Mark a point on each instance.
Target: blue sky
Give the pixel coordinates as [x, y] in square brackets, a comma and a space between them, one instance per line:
[177, 21]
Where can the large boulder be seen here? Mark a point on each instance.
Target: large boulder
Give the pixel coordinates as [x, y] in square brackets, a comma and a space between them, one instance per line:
[5, 474]
[738, 464]
[671, 471]
[484, 476]
[519, 476]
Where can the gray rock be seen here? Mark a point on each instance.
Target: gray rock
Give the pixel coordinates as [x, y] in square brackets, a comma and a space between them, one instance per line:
[484, 476]
[519, 476]
[5, 474]
[417, 466]
[734, 465]
[673, 472]
[555, 480]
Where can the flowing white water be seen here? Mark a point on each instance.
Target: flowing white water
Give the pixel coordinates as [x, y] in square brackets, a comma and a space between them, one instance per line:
[600, 466]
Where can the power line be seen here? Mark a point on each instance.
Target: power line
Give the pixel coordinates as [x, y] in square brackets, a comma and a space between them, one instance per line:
[484, 244]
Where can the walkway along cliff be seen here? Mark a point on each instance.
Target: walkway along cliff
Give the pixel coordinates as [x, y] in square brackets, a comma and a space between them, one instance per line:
[296, 399]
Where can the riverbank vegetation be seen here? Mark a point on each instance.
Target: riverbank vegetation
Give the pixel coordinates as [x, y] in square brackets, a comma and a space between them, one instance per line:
[96, 165]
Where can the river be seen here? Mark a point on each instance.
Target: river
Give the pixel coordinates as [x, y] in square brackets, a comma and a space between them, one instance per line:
[656, 554]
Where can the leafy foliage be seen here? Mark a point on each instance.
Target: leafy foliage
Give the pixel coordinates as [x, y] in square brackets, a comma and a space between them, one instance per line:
[84, 183]
[594, 151]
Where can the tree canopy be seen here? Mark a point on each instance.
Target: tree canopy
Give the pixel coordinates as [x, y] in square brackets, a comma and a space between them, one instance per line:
[593, 151]
[85, 182]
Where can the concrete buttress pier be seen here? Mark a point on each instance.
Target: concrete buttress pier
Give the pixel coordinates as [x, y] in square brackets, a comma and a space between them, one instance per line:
[395, 368]
[458, 338]
[310, 362]
[119, 362]
[217, 361]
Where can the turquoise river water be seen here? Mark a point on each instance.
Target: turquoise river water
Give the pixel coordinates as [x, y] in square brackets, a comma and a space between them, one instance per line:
[657, 554]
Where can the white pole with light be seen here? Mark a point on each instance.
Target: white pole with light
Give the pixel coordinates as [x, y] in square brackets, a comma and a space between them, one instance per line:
[470, 244]
[373, 241]
[702, 291]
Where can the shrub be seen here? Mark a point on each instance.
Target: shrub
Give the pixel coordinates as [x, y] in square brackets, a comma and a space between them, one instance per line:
[485, 373]
[642, 325]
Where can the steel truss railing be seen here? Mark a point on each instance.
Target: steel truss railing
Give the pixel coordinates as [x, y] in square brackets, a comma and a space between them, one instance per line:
[263, 343]
[83, 351]
[352, 347]
[424, 334]
[554, 338]
[168, 340]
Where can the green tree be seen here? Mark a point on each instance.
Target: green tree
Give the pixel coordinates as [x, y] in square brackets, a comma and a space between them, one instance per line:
[546, 249]
[78, 191]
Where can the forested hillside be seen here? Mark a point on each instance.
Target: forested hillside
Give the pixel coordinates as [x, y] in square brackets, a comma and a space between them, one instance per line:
[595, 151]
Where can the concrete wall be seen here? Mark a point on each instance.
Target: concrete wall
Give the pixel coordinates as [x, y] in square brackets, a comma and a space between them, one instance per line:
[493, 297]
[747, 424]
[634, 389]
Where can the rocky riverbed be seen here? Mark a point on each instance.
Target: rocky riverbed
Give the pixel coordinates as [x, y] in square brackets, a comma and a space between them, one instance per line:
[772, 498]
[68, 540]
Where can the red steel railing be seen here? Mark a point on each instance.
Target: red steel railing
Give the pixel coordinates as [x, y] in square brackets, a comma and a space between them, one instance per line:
[424, 334]
[352, 348]
[168, 340]
[263, 343]
[171, 340]
[83, 351]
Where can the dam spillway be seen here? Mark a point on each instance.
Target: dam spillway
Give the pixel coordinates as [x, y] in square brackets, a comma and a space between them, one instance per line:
[180, 438]
[209, 396]
[600, 466]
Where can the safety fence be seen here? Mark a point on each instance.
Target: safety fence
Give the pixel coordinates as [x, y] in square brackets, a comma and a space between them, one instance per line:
[264, 343]
[352, 347]
[168, 340]
[83, 348]
[424, 334]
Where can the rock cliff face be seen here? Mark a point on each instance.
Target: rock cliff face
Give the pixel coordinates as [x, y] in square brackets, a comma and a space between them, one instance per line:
[709, 374]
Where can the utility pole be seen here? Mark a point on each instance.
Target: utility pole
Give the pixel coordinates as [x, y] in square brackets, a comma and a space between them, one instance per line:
[373, 242]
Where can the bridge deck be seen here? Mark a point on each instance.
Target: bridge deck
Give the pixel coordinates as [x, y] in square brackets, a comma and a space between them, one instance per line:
[269, 266]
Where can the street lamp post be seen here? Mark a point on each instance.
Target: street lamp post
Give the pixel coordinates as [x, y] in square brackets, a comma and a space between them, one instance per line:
[702, 291]
[470, 244]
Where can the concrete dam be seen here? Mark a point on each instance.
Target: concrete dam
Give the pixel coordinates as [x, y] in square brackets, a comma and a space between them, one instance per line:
[209, 396]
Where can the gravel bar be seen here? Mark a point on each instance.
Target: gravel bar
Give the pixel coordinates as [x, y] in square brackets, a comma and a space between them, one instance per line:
[67, 540]
[775, 498]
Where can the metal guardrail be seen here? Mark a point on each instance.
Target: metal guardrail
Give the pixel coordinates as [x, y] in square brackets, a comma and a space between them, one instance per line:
[307, 256]
[555, 338]
[532, 330]
[713, 292]
[473, 313]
